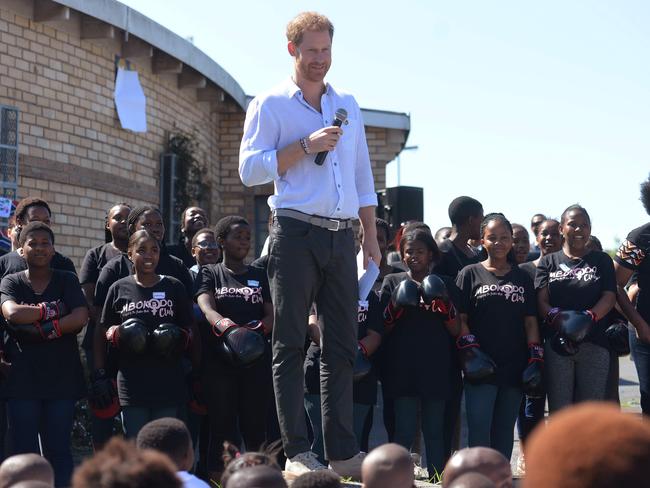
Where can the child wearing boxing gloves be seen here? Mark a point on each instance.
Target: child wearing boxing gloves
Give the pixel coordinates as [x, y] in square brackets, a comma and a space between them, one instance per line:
[499, 345]
[147, 318]
[44, 310]
[419, 318]
[236, 301]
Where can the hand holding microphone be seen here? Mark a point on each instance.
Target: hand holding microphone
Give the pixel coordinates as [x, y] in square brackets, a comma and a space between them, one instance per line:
[324, 140]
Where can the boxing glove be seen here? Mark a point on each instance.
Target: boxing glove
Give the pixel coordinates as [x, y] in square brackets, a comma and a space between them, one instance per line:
[433, 288]
[563, 346]
[477, 366]
[223, 322]
[255, 325]
[103, 398]
[435, 295]
[36, 332]
[533, 375]
[169, 341]
[132, 337]
[573, 325]
[241, 346]
[618, 338]
[362, 364]
[406, 294]
[52, 310]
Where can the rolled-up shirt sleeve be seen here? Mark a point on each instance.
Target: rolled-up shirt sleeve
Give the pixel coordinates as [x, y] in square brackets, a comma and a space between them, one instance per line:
[258, 153]
[363, 175]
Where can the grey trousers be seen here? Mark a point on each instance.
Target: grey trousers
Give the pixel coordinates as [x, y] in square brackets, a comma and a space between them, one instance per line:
[310, 264]
[575, 379]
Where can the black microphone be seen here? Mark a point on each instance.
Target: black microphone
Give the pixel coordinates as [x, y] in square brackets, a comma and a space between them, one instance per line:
[341, 114]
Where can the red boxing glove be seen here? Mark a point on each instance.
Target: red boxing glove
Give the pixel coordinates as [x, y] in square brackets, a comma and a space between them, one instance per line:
[224, 322]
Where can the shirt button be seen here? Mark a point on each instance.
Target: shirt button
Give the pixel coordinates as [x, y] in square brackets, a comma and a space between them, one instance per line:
[338, 208]
[336, 164]
[339, 186]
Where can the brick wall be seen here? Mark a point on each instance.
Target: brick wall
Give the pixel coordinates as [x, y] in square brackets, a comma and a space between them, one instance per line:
[72, 150]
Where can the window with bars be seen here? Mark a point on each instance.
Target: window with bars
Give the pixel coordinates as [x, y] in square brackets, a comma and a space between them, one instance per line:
[8, 165]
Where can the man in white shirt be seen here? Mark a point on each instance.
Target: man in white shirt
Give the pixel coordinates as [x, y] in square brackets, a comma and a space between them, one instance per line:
[311, 255]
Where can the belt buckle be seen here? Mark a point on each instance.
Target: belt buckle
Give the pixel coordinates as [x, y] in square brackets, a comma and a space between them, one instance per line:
[338, 225]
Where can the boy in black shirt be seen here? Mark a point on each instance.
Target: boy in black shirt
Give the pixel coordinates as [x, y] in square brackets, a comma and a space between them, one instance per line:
[45, 310]
[232, 296]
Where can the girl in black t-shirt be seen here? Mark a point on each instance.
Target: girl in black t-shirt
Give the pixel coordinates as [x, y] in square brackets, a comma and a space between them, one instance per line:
[575, 279]
[45, 310]
[233, 295]
[151, 377]
[497, 310]
[416, 342]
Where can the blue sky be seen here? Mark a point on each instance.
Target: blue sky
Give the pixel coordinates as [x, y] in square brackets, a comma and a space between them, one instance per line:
[528, 107]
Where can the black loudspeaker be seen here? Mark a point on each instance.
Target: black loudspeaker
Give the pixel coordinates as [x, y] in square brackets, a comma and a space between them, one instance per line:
[400, 204]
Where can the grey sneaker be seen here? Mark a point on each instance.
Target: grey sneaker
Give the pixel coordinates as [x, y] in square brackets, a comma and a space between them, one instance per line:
[349, 468]
[303, 463]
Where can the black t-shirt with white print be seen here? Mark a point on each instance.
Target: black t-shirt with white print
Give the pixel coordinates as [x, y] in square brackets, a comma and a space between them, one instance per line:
[147, 380]
[95, 259]
[496, 307]
[121, 267]
[634, 254]
[51, 369]
[239, 297]
[577, 284]
[417, 354]
[369, 317]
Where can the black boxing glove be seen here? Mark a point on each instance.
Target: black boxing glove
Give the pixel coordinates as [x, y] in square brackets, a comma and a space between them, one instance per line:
[241, 346]
[256, 325]
[131, 337]
[407, 294]
[563, 346]
[222, 322]
[575, 326]
[52, 310]
[618, 338]
[169, 341]
[477, 366]
[434, 294]
[533, 375]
